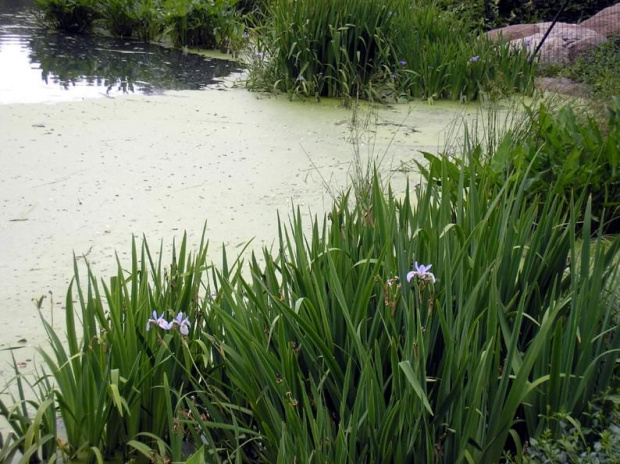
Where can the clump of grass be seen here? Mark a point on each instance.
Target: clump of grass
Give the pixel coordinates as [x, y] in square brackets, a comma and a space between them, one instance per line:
[552, 150]
[347, 356]
[380, 50]
[133, 375]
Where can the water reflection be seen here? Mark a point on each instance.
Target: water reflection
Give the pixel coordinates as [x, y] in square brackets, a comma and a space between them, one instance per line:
[121, 66]
[38, 65]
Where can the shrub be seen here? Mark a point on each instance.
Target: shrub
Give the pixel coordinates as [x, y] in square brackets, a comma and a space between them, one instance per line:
[210, 24]
[68, 15]
[379, 50]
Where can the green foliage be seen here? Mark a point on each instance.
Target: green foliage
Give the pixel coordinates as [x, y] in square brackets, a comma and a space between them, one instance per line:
[68, 15]
[599, 70]
[33, 434]
[210, 24]
[343, 360]
[558, 153]
[380, 50]
[204, 23]
[596, 441]
[497, 13]
[126, 18]
[120, 384]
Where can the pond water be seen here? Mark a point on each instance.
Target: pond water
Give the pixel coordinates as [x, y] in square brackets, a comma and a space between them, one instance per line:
[37, 65]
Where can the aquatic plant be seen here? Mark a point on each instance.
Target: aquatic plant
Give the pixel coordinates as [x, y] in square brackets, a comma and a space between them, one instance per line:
[556, 150]
[343, 362]
[339, 346]
[68, 15]
[213, 24]
[120, 387]
[356, 48]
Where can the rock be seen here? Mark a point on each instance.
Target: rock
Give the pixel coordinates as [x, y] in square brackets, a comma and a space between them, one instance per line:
[517, 31]
[584, 46]
[606, 22]
[561, 85]
[564, 43]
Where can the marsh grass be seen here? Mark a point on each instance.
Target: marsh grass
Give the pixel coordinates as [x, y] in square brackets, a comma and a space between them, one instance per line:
[380, 51]
[343, 360]
[326, 349]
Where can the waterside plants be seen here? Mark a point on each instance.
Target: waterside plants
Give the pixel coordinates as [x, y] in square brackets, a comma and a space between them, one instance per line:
[450, 325]
[380, 50]
[215, 24]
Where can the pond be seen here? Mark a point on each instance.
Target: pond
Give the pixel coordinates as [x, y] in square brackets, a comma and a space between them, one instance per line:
[37, 65]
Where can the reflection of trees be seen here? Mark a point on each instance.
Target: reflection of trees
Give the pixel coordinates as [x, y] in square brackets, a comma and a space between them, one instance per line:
[121, 66]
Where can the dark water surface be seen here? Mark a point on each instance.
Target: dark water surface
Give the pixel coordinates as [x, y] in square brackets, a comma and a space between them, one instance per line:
[37, 65]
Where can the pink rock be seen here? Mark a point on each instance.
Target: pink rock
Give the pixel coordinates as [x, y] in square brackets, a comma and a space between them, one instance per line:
[605, 22]
[517, 31]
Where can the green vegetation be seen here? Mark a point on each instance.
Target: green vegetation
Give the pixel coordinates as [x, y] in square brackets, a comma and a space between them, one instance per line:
[596, 443]
[473, 320]
[68, 15]
[599, 71]
[497, 13]
[551, 152]
[345, 345]
[380, 50]
[207, 24]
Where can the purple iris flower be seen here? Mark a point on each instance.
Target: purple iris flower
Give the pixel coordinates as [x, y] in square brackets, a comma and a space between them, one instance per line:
[182, 323]
[421, 272]
[403, 63]
[158, 321]
[473, 59]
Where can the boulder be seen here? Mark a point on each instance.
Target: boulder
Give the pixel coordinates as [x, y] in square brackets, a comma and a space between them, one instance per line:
[584, 46]
[606, 22]
[561, 85]
[517, 31]
[564, 43]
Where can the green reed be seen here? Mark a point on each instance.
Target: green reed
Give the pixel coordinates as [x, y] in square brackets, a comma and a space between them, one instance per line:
[380, 50]
[342, 359]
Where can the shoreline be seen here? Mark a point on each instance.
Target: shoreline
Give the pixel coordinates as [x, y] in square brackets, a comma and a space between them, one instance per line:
[84, 176]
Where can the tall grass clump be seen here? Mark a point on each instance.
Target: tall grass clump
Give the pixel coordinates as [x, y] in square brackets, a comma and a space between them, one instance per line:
[555, 150]
[380, 50]
[130, 374]
[349, 348]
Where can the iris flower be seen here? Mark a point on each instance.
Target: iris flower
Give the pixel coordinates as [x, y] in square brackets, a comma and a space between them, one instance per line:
[158, 321]
[421, 272]
[182, 323]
